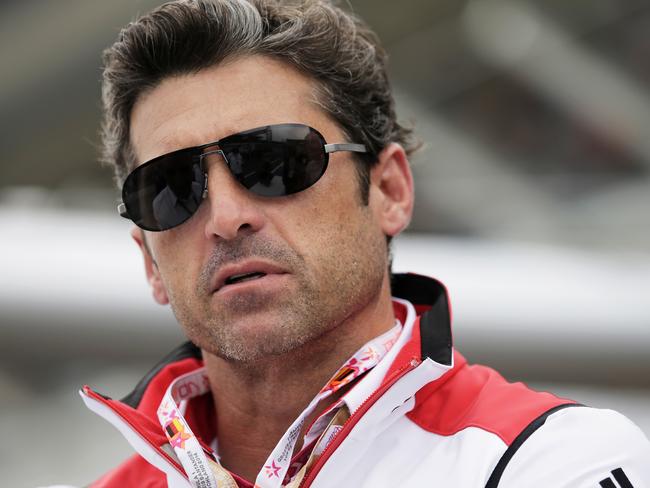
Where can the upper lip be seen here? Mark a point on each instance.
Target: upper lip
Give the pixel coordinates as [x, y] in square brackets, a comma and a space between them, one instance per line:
[243, 267]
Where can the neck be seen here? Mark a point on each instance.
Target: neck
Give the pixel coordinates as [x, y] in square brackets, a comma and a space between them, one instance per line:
[257, 401]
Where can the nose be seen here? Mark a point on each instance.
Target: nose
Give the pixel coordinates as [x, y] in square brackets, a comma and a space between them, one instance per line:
[233, 210]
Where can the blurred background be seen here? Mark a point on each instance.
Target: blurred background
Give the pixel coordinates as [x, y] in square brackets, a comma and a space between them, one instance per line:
[533, 198]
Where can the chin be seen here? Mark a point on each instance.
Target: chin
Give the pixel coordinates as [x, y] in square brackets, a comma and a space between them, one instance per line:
[255, 339]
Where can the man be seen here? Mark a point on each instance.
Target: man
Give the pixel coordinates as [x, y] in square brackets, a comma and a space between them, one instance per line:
[276, 123]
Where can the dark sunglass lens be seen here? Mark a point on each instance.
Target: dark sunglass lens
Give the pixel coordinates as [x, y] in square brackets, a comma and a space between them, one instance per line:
[164, 193]
[276, 160]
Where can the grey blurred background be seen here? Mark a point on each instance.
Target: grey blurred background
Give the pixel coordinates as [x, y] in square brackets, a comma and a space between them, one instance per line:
[533, 198]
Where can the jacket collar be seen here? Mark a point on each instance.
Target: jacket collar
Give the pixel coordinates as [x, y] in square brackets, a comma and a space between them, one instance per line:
[431, 302]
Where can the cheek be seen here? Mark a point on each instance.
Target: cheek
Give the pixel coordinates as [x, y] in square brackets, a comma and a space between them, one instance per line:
[335, 232]
[178, 262]
[338, 213]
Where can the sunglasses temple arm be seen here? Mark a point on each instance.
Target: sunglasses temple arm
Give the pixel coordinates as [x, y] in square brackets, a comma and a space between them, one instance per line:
[121, 209]
[330, 148]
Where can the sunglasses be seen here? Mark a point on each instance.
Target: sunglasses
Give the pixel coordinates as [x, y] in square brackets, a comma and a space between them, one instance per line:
[270, 161]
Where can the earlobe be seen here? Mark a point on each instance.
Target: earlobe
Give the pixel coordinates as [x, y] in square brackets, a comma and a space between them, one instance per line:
[151, 268]
[392, 181]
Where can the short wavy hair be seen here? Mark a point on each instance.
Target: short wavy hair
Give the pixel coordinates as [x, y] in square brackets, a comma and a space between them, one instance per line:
[332, 46]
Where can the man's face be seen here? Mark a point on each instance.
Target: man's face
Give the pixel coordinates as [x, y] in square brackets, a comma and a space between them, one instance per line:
[321, 254]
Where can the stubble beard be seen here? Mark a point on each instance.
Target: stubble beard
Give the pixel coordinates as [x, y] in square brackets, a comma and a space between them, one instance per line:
[253, 326]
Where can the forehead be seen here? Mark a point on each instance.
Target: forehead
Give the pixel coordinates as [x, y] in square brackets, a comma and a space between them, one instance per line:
[194, 109]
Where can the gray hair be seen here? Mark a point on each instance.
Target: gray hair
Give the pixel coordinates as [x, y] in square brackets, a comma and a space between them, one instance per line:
[332, 46]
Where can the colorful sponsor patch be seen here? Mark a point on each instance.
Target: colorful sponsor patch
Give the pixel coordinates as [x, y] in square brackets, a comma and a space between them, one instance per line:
[176, 433]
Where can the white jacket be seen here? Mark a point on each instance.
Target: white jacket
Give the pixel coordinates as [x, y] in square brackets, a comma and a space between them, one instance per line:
[423, 417]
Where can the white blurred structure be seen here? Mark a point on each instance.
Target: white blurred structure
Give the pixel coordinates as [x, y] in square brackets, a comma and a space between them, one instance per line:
[73, 285]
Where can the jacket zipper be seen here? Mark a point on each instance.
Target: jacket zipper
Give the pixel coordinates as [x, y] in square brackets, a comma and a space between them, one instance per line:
[349, 424]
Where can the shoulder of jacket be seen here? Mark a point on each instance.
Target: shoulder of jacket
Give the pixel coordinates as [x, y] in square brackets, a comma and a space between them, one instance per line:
[581, 447]
[478, 396]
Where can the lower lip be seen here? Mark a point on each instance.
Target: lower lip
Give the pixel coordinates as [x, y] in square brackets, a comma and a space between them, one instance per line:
[267, 282]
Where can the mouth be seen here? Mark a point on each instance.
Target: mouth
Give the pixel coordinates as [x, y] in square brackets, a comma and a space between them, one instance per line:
[240, 278]
[236, 275]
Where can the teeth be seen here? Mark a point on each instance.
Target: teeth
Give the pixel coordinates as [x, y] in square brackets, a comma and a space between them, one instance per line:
[243, 277]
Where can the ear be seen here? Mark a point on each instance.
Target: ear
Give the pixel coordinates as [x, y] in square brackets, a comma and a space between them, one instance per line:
[150, 267]
[391, 190]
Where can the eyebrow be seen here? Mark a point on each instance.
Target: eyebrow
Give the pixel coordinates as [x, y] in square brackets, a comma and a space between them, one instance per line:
[174, 142]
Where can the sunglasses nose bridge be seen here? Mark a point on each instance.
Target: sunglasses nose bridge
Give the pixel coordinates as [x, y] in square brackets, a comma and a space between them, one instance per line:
[230, 207]
[219, 176]
[213, 151]
[204, 168]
